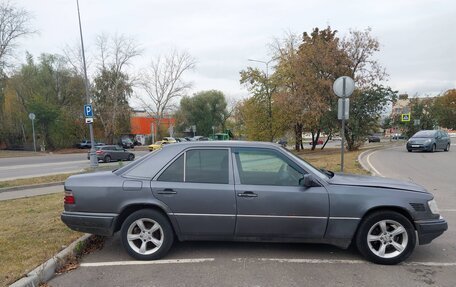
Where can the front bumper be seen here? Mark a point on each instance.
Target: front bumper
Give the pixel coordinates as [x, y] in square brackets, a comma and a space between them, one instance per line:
[428, 230]
[425, 147]
[94, 223]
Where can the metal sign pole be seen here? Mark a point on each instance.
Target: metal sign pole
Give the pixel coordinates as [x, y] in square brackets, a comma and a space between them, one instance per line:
[93, 155]
[33, 129]
[343, 129]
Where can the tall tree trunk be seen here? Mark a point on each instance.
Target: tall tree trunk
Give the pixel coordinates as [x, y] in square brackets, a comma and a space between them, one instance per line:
[298, 136]
[326, 141]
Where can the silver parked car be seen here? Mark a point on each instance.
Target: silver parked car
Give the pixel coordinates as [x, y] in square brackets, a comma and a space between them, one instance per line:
[429, 140]
[108, 153]
[227, 190]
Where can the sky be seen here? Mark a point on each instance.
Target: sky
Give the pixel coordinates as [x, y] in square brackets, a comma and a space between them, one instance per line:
[417, 38]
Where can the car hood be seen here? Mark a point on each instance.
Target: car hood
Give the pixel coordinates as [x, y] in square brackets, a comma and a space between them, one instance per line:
[374, 181]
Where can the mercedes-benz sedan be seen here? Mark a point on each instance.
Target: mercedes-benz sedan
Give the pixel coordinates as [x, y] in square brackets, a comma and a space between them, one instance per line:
[249, 191]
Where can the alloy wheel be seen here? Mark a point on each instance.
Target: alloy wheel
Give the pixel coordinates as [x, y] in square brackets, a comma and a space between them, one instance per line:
[387, 239]
[145, 236]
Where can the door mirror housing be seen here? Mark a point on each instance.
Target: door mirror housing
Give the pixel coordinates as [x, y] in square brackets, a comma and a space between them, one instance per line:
[307, 180]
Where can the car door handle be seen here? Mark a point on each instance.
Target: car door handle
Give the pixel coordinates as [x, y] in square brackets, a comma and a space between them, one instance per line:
[167, 191]
[247, 194]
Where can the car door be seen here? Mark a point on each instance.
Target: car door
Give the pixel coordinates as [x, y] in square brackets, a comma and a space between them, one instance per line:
[121, 153]
[271, 202]
[198, 188]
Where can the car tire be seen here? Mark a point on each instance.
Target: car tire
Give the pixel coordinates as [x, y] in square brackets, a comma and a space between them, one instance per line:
[447, 147]
[107, 159]
[434, 148]
[147, 235]
[377, 242]
[131, 157]
[409, 150]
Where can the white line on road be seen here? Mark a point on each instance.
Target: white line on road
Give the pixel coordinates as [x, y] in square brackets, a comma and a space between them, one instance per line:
[370, 164]
[124, 263]
[447, 210]
[339, 261]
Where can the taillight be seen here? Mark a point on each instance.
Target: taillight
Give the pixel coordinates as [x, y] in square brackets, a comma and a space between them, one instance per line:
[69, 198]
[99, 152]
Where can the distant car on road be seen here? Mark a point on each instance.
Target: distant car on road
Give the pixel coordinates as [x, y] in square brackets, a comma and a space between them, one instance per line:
[126, 143]
[157, 145]
[318, 142]
[250, 191]
[87, 144]
[373, 139]
[108, 153]
[429, 140]
[398, 136]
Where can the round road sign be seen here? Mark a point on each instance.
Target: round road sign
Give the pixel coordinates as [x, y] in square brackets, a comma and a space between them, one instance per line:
[32, 116]
[344, 86]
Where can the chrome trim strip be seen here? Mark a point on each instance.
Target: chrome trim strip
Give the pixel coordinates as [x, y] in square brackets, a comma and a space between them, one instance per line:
[344, 218]
[202, 214]
[282, 216]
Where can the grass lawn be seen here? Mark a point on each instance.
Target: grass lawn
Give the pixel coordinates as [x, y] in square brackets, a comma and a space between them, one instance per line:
[330, 159]
[35, 180]
[31, 232]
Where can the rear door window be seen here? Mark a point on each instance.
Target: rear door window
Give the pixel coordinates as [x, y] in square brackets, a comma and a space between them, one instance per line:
[207, 166]
[174, 172]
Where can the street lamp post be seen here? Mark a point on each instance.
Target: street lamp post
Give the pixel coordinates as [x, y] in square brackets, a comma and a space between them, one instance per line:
[93, 156]
[268, 94]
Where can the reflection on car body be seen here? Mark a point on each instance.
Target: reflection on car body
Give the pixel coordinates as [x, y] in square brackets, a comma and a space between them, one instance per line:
[229, 190]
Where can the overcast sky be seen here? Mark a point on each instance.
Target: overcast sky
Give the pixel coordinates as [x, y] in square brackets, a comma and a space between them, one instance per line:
[418, 40]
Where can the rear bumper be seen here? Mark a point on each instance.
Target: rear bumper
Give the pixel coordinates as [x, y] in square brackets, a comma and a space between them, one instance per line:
[94, 223]
[430, 229]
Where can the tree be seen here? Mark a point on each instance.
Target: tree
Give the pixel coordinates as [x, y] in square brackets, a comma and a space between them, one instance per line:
[51, 91]
[370, 98]
[421, 109]
[113, 87]
[444, 109]
[206, 109]
[366, 106]
[14, 24]
[163, 83]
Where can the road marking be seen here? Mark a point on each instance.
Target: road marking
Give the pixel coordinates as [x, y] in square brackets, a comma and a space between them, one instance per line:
[125, 263]
[370, 164]
[447, 210]
[338, 261]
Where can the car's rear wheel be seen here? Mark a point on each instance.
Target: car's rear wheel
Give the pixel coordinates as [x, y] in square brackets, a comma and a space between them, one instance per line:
[107, 158]
[433, 148]
[147, 235]
[131, 157]
[447, 147]
[386, 237]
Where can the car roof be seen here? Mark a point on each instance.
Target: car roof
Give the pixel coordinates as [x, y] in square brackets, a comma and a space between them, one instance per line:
[225, 144]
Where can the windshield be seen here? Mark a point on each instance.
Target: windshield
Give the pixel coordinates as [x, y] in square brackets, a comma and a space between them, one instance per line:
[308, 166]
[424, 134]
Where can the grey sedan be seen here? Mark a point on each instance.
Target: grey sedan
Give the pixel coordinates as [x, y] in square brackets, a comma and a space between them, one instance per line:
[429, 140]
[249, 191]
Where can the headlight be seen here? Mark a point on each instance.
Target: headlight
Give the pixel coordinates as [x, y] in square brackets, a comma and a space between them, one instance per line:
[428, 141]
[433, 206]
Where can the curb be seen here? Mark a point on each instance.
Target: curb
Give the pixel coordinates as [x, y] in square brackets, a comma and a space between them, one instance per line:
[46, 271]
[22, 187]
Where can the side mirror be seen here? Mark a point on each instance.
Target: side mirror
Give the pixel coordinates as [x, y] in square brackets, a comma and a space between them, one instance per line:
[307, 180]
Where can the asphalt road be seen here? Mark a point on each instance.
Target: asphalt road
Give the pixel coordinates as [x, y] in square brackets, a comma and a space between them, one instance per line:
[254, 264]
[33, 166]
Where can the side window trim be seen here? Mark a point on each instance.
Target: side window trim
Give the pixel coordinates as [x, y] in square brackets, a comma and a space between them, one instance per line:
[155, 178]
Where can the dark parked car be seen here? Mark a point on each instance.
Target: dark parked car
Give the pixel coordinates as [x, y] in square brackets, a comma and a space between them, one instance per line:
[87, 144]
[228, 190]
[126, 143]
[429, 140]
[108, 153]
[373, 139]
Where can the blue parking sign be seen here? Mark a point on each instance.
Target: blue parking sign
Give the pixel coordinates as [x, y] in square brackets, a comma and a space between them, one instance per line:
[88, 111]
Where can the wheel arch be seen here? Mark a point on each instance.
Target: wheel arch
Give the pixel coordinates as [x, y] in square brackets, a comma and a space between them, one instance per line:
[394, 208]
[133, 207]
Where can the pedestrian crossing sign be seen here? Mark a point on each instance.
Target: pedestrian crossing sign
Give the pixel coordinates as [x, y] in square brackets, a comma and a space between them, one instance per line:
[405, 117]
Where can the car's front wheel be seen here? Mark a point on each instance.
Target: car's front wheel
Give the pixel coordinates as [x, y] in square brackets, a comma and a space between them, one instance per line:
[147, 235]
[386, 237]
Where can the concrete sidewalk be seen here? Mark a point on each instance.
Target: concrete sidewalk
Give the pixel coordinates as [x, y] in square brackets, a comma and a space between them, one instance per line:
[13, 194]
